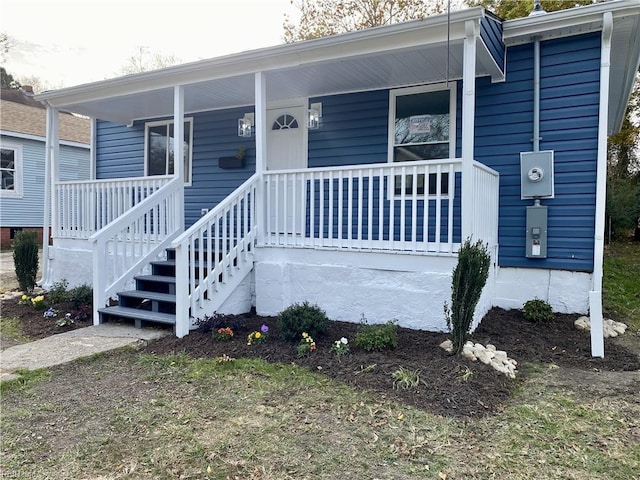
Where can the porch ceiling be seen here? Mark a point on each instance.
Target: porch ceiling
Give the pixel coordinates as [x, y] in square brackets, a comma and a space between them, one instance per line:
[397, 55]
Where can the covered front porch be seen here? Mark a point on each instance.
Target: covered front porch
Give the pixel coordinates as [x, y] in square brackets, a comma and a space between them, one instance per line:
[407, 209]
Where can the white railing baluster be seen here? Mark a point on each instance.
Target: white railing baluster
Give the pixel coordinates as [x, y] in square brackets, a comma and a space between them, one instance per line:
[340, 205]
[414, 210]
[359, 219]
[330, 237]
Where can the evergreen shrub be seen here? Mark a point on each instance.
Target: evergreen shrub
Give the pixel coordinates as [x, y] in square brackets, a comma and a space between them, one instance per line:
[25, 259]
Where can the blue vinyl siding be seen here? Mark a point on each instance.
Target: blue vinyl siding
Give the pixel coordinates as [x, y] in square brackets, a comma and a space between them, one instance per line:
[119, 150]
[569, 91]
[120, 154]
[215, 135]
[354, 130]
[491, 35]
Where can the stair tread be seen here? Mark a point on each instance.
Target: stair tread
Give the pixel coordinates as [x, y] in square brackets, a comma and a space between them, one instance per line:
[170, 262]
[167, 297]
[157, 278]
[135, 313]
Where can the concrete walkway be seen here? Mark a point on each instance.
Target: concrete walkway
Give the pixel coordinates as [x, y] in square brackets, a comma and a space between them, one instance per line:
[68, 346]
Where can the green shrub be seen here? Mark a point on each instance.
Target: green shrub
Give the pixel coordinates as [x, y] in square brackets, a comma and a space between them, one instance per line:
[376, 337]
[537, 310]
[300, 318]
[58, 292]
[80, 296]
[469, 278]
[25, 259]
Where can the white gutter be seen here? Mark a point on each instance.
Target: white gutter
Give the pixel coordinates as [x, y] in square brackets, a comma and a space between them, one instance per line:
[595, 295]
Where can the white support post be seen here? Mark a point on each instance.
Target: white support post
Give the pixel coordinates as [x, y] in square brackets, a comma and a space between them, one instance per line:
[595, 295]
[182, 254]
[468, 125]
[261, 152]
[51, 175]
[178, 153]
[183, 323]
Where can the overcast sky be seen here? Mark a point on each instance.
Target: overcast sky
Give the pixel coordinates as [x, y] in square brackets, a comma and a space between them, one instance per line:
[69, 42]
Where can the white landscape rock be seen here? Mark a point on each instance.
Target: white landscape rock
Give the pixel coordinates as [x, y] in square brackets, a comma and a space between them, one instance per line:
[610, 328]
[447, 345]
[488, 355]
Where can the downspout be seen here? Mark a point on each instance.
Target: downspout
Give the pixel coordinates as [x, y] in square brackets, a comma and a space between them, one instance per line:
[595, 295]
[536, 94]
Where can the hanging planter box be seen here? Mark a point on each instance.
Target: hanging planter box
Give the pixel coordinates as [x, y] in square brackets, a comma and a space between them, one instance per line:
[231, 162]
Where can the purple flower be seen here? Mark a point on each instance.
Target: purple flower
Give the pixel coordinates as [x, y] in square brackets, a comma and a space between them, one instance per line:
[264, 328]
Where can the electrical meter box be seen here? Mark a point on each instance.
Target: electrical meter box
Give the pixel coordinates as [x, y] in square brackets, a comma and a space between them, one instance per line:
[536, 174]
[536, 237]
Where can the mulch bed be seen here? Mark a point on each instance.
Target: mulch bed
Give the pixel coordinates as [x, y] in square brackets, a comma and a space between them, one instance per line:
[451, 385]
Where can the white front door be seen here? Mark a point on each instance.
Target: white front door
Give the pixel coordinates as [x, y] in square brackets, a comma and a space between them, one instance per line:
[286, 150]
[285, 138]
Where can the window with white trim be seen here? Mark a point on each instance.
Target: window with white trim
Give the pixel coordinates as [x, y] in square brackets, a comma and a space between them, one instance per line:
[159, 147]
[11, 170]
[422, 127]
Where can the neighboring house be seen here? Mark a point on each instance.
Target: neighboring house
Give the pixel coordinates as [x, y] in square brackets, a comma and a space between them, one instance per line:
[370, 157]
[22, 168]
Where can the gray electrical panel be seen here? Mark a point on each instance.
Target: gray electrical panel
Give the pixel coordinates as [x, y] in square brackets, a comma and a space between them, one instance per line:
[536, 237]
[536, 174]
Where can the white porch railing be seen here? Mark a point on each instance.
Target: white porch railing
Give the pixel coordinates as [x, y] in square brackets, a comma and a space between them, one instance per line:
[485, 204]
[411, 207]
[214, 255]
[85, 207]
[124, 247]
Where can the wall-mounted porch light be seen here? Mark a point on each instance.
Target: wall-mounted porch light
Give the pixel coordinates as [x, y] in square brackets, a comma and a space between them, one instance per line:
[314, 115]
[245, 125]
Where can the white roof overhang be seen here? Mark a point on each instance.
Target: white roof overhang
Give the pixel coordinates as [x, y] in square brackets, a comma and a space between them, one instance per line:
[409, 53]
[625, 43]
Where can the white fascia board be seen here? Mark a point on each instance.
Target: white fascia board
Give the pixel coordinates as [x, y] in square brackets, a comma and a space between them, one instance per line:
[565, 22]
[431, 30]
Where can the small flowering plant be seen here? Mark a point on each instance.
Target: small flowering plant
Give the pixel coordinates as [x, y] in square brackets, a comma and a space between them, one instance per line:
[50, 313]
[67, 320]
[25, 300]
[223, 334]
[340, 347]
[258, 337]
[38, 302]
[306, 345]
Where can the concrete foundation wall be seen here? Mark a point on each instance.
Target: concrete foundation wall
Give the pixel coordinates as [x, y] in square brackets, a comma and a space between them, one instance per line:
[566, 292]
[70, 260]
[382, 287]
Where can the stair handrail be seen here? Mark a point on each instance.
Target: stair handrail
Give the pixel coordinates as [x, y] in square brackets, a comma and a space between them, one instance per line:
[228, 231]
[142, 233]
